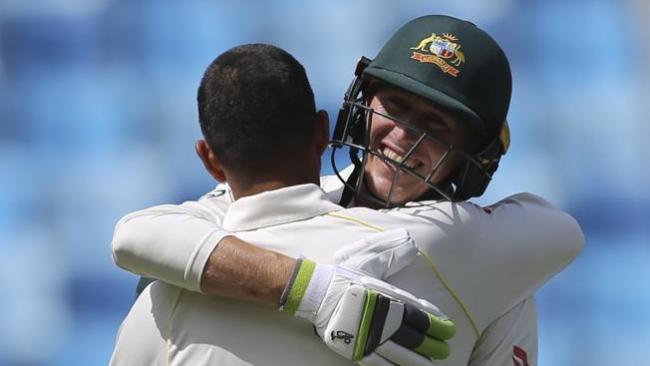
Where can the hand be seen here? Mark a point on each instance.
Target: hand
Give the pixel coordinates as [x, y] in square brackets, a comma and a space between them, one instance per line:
[363, 318]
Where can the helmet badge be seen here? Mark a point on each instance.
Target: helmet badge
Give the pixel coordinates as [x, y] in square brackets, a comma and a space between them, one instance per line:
[439, 50]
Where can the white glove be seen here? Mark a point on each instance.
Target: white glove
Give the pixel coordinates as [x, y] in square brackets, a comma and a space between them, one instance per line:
[363, 318]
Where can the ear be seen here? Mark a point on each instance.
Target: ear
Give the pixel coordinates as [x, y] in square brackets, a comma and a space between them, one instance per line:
[210, 160]
[322, 130]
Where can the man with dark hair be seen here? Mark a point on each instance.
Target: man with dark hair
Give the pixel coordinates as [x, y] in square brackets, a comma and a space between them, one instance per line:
[169, 324]
[247, 86]
[425, 120]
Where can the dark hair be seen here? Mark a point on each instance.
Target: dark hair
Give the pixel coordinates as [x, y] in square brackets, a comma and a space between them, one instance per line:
[256, 107]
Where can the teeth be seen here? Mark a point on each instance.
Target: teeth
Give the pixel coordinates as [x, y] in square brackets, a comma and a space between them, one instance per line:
[398, 158]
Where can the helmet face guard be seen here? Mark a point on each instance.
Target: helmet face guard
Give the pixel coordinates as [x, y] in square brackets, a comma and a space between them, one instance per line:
[352, 131]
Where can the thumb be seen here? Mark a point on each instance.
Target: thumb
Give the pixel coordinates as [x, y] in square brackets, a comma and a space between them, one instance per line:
[379, 255]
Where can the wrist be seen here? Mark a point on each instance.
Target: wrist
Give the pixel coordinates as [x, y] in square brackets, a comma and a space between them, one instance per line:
[289, 284]
[306, 289]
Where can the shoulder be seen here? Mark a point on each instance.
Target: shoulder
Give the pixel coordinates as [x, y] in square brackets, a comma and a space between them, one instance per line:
[522, 200]
[221, 192]
[211, 206]
[215, 203]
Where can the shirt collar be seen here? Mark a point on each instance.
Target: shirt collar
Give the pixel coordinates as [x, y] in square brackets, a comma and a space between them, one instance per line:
[279, 206]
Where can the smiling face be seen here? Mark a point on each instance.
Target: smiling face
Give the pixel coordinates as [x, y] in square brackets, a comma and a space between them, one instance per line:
[393, 139]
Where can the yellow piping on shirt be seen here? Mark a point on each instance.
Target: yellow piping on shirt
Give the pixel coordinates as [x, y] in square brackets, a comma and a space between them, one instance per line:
[453, 294]
[438, 274]
[356, 220]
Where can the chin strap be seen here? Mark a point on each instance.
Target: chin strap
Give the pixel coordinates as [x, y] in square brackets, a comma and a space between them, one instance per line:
[348, 192]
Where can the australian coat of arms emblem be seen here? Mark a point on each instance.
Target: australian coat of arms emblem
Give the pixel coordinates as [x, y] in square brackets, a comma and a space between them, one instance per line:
[441, 50]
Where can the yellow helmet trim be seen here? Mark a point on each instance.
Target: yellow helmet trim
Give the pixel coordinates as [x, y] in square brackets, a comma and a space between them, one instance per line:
[504, 136]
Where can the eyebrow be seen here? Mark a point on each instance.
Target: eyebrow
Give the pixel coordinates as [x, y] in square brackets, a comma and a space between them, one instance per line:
[397, 99]
[435, 114]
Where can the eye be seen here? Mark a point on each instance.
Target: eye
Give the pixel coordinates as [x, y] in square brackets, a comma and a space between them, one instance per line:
[394, 106]
[435, 123]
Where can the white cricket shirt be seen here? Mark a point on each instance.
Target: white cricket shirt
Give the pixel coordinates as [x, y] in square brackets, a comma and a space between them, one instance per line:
[476, 266]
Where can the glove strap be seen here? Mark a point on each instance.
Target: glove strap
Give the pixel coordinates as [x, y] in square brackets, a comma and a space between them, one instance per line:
[306, 289]
[285, 293]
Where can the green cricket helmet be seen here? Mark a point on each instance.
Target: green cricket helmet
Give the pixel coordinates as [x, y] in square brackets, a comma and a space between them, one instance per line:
[456, 66]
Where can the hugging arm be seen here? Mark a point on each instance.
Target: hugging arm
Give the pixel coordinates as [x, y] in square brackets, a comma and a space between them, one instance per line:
[508, 250]
[183, 245]
[510, 340]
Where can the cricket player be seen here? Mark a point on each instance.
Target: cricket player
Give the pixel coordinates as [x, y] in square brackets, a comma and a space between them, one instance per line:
[479, 265]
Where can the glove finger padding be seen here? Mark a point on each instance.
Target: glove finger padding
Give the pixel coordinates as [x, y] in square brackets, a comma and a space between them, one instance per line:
[384, 323]
[401, 295]
[409, 327]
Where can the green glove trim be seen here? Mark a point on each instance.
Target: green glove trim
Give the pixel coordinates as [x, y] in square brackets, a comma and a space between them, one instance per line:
[433, 348]
[364, 327]
[441, 328]
[299, 286]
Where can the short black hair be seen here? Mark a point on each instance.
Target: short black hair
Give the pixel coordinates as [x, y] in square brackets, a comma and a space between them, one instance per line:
[256, 107]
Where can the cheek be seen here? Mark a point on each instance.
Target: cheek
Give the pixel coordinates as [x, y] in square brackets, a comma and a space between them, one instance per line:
[379, 128]
[434, 151]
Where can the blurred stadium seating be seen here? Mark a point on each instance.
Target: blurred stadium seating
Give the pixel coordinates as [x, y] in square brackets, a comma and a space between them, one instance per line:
[97, 118]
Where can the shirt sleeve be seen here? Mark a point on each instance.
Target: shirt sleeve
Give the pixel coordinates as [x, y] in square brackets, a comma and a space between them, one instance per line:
[493, 258]
[525, 241]
[171, 242]
[509, 340]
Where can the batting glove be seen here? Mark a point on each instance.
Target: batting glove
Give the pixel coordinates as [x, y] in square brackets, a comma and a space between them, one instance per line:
[363, 318]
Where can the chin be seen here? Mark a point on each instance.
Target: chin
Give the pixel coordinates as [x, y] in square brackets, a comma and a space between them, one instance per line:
[381, 179]
[381, 188]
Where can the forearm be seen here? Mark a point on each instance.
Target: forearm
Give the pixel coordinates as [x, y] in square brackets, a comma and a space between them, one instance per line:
[542, 239]
[184, 246]
[240, 270]
[513, 246]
